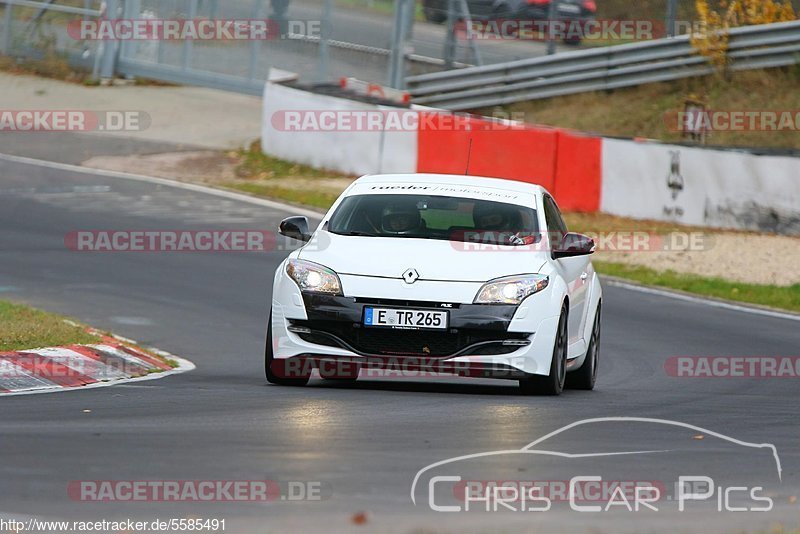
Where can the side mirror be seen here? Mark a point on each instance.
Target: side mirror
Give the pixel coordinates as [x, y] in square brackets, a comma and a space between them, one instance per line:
[572, 245]
[296, 228]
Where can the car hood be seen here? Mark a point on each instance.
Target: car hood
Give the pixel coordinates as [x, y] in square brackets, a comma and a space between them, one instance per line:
[433, 259]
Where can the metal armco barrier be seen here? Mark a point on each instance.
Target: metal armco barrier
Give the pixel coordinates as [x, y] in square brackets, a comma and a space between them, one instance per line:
[751, 47]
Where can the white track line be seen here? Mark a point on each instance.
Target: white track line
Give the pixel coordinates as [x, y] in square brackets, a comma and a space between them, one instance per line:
[287, 208]
[701, 300]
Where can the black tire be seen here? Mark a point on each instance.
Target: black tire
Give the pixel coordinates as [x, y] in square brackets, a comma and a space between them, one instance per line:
[586, 377]
[435, 11]
[272, 366]
[552, 384]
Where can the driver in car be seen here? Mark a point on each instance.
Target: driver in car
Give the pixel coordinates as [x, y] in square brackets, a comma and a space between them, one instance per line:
[401, 219]
[504, 221]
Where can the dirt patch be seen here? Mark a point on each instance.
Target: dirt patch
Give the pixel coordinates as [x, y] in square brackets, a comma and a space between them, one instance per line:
[755, 259]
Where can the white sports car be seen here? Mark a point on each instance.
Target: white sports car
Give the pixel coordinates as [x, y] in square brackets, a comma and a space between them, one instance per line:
[437, 274]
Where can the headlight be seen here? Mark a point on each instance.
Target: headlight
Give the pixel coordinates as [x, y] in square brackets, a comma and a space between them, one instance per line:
[313, 277]
[511, 290]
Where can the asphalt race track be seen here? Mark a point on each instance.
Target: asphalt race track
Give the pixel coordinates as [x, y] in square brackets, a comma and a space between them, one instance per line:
[363, 443]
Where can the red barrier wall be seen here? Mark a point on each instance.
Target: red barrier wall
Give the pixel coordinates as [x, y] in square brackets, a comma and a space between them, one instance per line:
[579, 172]
[565, 163]
[498, 150]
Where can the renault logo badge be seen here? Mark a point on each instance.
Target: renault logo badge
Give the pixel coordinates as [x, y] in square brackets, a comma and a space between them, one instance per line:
[410, 276]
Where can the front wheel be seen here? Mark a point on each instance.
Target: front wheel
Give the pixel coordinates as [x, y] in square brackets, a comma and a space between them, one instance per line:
[586, 377]
[277, 370]
[553, 383]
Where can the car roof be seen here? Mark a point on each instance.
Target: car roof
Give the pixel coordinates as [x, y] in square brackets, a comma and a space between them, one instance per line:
[453, 179]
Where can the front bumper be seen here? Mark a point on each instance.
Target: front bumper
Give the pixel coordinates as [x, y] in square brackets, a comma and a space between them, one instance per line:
[473, 329]
[496, 341]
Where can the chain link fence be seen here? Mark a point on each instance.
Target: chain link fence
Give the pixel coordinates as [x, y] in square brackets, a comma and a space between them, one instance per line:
[380, 41]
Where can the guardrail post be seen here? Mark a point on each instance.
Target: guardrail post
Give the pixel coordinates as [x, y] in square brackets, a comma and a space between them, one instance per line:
[108, 65]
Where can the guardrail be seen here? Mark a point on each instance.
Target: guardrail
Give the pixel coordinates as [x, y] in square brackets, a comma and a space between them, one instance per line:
[750, 47]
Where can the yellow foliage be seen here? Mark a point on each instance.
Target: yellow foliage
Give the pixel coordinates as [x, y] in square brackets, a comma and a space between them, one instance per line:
[711, 36]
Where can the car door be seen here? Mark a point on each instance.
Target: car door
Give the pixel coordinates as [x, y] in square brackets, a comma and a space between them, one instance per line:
[575, 271]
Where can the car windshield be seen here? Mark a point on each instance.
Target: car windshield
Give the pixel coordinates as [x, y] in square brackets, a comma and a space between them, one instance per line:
[435, 217]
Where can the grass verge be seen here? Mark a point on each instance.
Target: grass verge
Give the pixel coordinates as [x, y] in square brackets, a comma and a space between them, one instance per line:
[23, 327]
[266, 176]
[786, 298]
[315, 199]
[255, 164]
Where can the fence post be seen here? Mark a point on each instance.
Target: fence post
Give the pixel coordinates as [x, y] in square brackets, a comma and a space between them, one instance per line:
[399, 35]
[7, 39]
[255, 44]
[188, 44]
[110, 46]
[450, 38]
[324, 46]
[552, 11]
[672, 15]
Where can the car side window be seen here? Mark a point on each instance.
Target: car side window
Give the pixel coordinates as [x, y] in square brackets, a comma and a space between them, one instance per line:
[555, 222]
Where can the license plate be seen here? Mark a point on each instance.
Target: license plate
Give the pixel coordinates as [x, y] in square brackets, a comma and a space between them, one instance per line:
[569, 8]
[406, 319]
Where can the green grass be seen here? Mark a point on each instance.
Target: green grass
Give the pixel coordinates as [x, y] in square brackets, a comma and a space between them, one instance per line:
[644, 111]
[312, 198]
[22, 327]
[266, 176]
[787, 298]
[255, 164]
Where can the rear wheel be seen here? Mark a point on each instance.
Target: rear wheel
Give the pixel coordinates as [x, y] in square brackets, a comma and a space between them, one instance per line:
[553, 383]
[278, 371]
[586, 377]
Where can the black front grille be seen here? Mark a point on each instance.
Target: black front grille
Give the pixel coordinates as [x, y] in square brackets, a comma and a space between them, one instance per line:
[397, 342]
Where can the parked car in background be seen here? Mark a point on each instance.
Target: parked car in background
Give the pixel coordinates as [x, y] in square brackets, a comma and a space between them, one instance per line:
[521, 10]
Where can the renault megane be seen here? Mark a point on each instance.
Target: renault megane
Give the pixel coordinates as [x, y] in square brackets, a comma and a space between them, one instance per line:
[461, 275]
